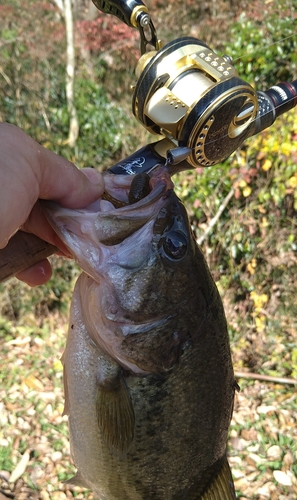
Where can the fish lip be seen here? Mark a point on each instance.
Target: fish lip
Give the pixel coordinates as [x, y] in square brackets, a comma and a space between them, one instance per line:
[153, 196]
[161, 184]
[100, 225]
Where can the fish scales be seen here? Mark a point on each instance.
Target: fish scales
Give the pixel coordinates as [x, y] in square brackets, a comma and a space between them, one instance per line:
[148, 376]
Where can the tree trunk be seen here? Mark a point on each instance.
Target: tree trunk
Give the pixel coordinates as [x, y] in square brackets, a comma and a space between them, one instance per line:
[65, 7]
[70, 73]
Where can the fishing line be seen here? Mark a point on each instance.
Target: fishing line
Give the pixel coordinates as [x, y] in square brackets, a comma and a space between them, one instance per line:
[255, 51]
[252, 121]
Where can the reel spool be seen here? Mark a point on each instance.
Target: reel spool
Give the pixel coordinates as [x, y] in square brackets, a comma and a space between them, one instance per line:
[195, 98]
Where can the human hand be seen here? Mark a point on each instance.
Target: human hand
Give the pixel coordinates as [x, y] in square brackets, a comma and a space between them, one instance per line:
[29, 172]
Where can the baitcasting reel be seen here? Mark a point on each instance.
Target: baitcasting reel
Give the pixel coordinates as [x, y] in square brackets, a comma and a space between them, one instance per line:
[191, 96]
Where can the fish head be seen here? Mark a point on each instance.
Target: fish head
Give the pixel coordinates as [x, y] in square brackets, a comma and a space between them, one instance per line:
[140, 298]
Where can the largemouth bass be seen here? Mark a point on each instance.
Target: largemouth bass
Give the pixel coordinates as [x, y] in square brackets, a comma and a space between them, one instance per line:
[149, 383]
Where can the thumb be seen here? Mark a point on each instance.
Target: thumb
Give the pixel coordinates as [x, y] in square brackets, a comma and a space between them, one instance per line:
[62, 181]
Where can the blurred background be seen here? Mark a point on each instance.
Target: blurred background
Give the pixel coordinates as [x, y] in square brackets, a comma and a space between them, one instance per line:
[86, 116]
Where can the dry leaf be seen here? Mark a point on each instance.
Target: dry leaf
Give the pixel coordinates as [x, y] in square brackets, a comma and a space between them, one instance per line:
[274, 452]
[20, 467]
[266, 409]
[19, 341]
[282, 478]
[33, 383]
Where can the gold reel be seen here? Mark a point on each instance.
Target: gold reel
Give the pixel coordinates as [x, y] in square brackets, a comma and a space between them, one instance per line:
[195, 98]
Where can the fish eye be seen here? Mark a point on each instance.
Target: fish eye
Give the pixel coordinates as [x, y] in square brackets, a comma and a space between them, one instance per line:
[175, 245]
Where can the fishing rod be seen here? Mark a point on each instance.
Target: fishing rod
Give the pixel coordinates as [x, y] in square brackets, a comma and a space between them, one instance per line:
[192, 97]
[189, 95]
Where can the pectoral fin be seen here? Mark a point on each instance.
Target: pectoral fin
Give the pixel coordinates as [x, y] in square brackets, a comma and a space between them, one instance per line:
[222, 487]
[115, 414]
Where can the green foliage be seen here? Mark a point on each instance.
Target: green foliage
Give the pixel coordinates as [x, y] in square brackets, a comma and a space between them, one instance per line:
[261, 42]
[252, 248]
[19, 301]
[294, 361]
[32, 89]
[30, 63]
[5, 458]
[102, 124]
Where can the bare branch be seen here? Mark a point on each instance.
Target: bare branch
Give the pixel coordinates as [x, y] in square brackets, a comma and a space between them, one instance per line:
[60, 5]
[5, 76]
[266, 378]
[215, 219]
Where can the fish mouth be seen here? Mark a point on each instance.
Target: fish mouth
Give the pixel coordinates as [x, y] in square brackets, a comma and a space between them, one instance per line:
[127, 205]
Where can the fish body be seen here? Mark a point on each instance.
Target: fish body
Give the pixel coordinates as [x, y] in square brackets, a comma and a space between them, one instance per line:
[149, 383]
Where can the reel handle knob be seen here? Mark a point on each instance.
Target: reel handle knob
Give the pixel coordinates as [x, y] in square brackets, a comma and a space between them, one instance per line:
[121, 9]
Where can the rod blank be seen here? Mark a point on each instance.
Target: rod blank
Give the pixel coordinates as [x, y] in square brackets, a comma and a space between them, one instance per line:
[22, 251]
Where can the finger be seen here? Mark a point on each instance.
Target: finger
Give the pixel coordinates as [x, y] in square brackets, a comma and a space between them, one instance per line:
[38, 274]
[91, 174]
[62, 181]
[28, 172]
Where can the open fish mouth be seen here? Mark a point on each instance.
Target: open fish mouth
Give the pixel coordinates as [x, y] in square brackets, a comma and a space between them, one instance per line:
[118, 227]
[127, 204]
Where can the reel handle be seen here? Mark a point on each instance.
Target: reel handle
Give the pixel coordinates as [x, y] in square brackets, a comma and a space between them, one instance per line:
[135, 14]
[121, 9]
